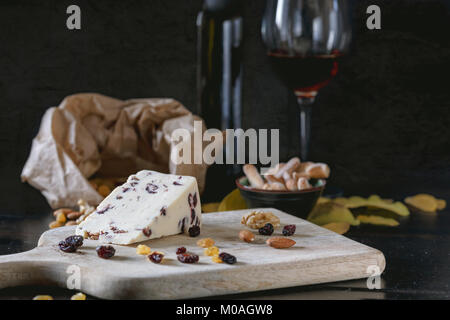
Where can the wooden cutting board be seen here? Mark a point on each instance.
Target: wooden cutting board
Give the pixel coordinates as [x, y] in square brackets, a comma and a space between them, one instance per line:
[319, 256]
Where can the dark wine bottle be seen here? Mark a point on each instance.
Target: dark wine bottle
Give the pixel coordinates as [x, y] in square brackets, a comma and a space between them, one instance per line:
[219, 64]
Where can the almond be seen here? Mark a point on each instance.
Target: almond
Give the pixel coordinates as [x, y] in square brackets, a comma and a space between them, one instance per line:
[246, 236]
[280, 242]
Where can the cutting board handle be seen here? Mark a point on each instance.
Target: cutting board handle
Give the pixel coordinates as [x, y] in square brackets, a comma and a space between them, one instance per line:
[25, 269]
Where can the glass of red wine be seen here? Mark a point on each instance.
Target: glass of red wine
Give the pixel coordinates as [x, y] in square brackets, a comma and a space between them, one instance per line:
[305, 39]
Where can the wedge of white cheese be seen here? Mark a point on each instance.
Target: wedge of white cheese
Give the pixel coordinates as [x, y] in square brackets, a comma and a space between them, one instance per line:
[149, 205]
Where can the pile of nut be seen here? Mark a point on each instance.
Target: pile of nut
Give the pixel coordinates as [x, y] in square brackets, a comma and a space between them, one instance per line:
[70, 217]
[293, 175]
[265, 223]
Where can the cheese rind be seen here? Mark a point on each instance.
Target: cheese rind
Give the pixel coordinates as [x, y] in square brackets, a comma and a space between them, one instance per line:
[149, 205]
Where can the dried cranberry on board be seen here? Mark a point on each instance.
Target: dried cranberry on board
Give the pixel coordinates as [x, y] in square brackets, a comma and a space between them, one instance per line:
[194, 231]
[267, 230]
[289, 230]
[105, 252]
[156, 257]
[181, 250]
[188, 258]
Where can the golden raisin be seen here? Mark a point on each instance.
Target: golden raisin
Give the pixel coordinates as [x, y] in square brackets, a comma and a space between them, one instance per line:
[43, 297]
[205, 242]
[54, 224]
[216, 259]
[143, 249]
[211, 251]
[78, 296]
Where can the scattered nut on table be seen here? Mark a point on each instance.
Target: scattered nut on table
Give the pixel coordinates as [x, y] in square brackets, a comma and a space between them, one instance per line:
[246, 236]
[280, 242]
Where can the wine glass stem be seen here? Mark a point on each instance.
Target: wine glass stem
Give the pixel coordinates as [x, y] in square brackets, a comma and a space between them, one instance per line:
[305, 105]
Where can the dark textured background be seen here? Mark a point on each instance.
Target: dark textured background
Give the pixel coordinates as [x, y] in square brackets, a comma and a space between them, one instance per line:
[382, 123]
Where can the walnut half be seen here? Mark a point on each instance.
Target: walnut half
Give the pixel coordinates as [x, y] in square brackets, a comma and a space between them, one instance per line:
[258, 219]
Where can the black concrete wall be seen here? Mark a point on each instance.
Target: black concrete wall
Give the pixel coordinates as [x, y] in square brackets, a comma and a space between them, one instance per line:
[382, 122]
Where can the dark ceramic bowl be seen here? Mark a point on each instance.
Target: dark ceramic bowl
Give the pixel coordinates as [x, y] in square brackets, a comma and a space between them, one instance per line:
[297, 203]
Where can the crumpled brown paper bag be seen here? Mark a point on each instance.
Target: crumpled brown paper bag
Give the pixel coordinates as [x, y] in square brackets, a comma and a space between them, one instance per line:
[91, 133]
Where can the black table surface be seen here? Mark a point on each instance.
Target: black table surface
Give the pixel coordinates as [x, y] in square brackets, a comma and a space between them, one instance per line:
[417, 255]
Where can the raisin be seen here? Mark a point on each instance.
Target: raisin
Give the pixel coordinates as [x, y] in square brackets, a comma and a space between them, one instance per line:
[105, 252]
[66, 247]
[195, 200]
[181, 250]
[181, 224]
[194, 231]
[76, 241]
[147, 232]
[156, 257]
[102, 211]
[289, 230]
[190, 200]
[117, 230]
[227, 258]
[151, 188]
[163, 211]
[267, 230]
[187, 258]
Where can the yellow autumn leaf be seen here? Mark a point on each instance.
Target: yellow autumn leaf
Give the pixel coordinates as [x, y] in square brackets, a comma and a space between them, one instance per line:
[338, 227]
[426, 202]
[377, 220]
[329, 212]
[374, 201]
[210, 207]
[441, 204]
[323, 200]
[233, 201]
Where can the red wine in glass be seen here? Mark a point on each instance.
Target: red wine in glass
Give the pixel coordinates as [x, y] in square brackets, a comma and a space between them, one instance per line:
[304, 41]
[305, 75]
